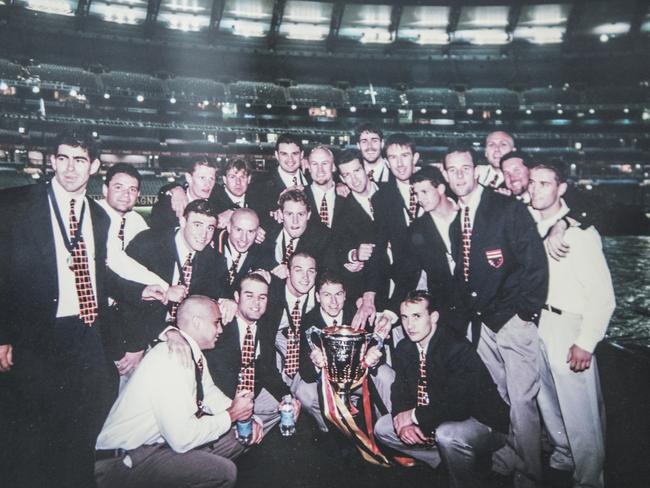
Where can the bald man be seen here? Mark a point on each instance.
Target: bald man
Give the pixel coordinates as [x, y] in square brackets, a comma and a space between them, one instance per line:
[497, 144]
[238, 245]
[171, 425]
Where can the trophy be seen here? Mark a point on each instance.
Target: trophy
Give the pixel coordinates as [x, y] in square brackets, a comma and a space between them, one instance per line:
[344, 349]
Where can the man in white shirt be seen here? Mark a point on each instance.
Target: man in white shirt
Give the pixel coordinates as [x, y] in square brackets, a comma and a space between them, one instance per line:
[370, 141]
[497, 144]
[171, 426]
[574, 320]
[121, 189]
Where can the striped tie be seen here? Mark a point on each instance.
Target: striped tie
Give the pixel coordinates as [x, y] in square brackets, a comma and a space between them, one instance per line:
[232, 272]
[288, 252]
[185, 280]
[413, 203]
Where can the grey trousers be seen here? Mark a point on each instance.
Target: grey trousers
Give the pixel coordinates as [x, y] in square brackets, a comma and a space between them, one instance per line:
[512, 356]
[458, 444]
[581, 401]
[307, 393]
[266, 409]
[158, 465]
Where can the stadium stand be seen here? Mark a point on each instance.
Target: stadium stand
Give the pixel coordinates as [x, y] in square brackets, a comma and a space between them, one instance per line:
[315, 94]
[132, 83]
[550, 96]
[361, 95]
[491, 98]
[65, 74]
[195, 89]
[433, 97]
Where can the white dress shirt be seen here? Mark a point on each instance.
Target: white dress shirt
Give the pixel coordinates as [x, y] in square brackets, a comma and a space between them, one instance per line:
[287, 178]
[443, 225]
[120, 262]
[291, 303]
[580, 282]
[365, 201]
[230, 256]
[241, 201]
[68, 303]
[241, 325]
[329, 320]
[159, 402]
[472, 201]
[381, 171]
[486, 174]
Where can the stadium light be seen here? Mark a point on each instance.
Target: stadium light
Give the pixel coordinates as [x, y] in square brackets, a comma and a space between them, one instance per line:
[498, 111]
[3, 85]
[470, 111]
[172, 100]
[140, 98]
[444, 111]
[36, 89]
[423, 110]
[248, 105]
[592, 111]
[73, 93]
[269, 106]
[294, 106]
[604, 38]
[353, 109]
[528, 111]
[383, 110]
[107, 96]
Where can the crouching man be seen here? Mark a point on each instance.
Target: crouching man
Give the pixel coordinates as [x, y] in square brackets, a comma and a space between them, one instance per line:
[171, 426]
[445, 404]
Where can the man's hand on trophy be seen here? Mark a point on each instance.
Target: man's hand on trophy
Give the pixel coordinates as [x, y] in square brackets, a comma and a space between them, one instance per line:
[318, 358]
[373, 356]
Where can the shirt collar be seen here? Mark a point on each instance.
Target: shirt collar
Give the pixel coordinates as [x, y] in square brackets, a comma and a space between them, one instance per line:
[112, 213]
[181, 246]
[329, 320]
[474, 199]
[288, 178]
[63, 197]
[196, 350]
[543, 225]
[235, 199]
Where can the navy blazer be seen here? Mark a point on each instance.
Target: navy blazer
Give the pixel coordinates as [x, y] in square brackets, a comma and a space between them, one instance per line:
[315, 206]
[29, 276]
[508, 266]
[389, 206]
[458, 384]
[224, 361]
[157, 252]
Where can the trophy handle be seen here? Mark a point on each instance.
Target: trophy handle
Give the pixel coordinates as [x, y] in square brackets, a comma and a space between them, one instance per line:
[313, 329]
[379, 339]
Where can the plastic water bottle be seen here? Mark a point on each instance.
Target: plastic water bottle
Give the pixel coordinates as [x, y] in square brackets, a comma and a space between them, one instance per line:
[245, 430]
[287, 423]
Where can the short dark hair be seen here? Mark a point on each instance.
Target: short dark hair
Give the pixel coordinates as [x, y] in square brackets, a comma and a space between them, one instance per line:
[293, 195]
[252, 276]
[288, 139]
[126, 168]
[419, 296]
[525, 158]
[237, 165]
[328, 276]
[367, 127]
[77, 137]
[301, 254]
[347, 156]
[430, 174]
[399, 139]
[200, 206]
[558, 167]
[459, 148]
[202, 161]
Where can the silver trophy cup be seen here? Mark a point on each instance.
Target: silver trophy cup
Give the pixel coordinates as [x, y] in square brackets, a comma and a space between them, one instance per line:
[344, 350]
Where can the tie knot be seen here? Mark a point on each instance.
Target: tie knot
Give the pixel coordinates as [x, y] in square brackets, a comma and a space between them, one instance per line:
[297, 305]
[190, 255]
[72, 203]
[411, 190]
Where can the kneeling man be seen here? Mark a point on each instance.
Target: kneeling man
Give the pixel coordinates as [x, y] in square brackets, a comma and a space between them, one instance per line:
[171, 426]
[445, 404]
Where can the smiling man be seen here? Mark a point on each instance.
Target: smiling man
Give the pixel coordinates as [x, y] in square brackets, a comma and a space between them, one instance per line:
[244, 358]
[297, 234]
[370, 141]
[497, 144]
[322, 190]
[171, 425]
[184, 259]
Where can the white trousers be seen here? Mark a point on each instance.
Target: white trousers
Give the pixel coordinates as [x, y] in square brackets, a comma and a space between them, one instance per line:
[580, 398]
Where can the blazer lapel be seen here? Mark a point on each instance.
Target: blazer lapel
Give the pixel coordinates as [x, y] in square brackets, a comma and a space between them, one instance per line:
[41, 225]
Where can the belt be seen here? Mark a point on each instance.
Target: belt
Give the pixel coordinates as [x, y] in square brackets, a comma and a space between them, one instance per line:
[101, 454]
[551, 308]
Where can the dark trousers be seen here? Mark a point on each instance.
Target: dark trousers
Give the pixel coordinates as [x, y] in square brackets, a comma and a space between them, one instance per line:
[58, 396]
